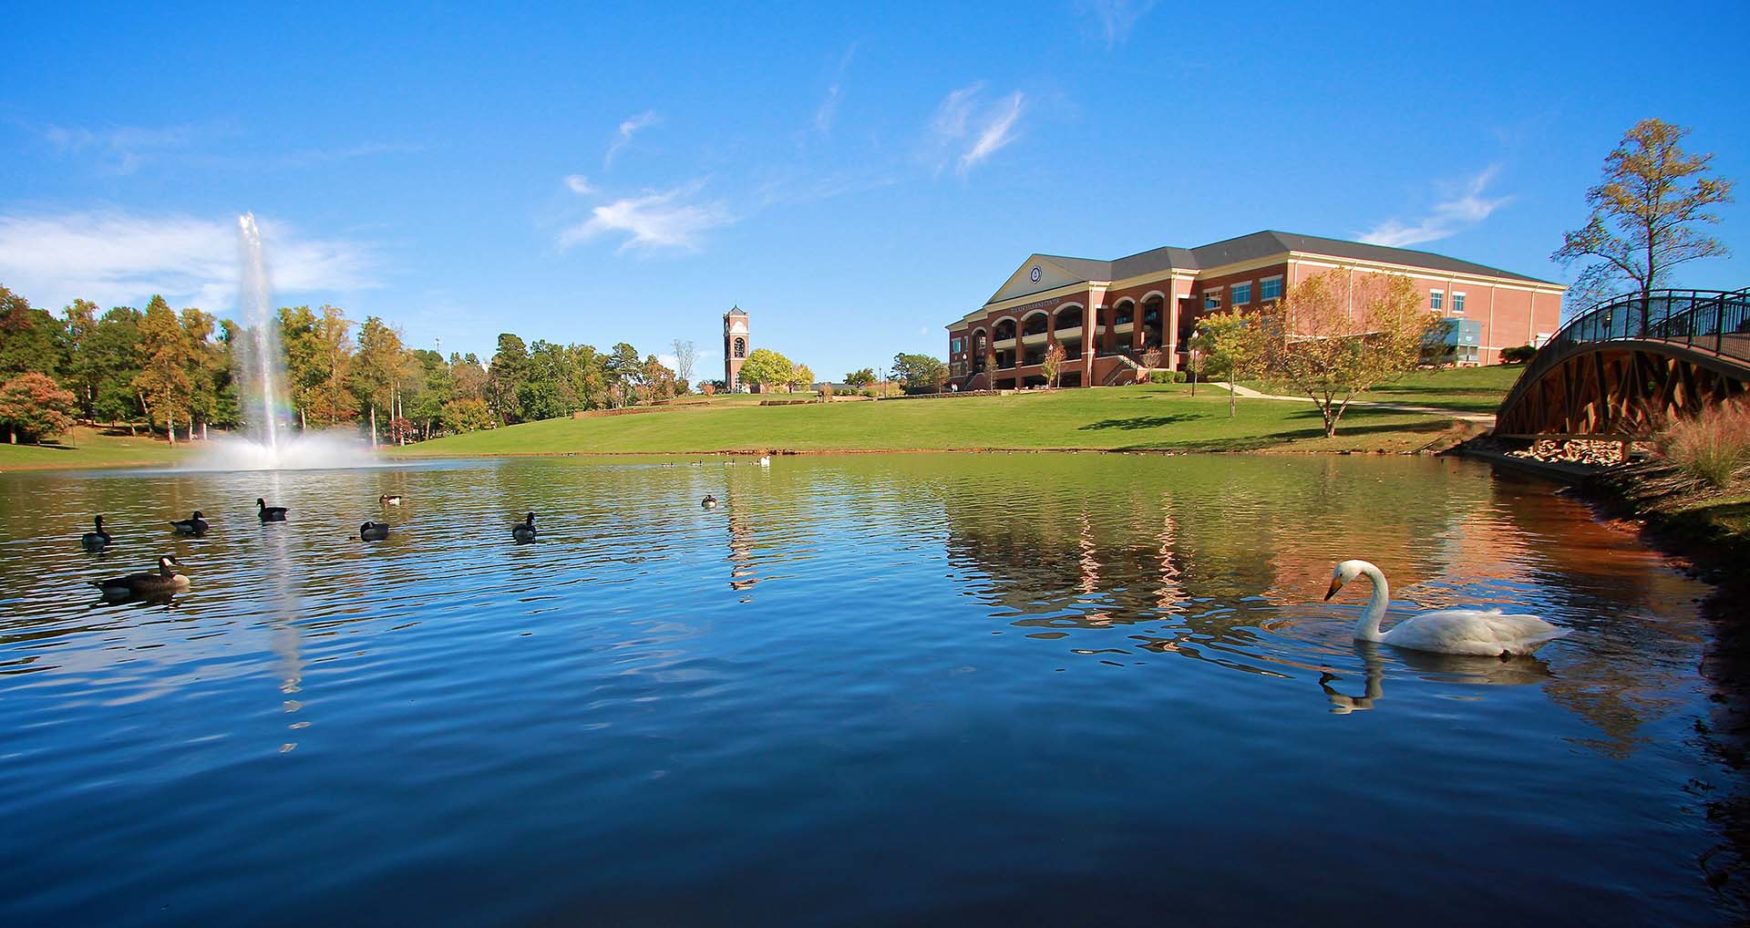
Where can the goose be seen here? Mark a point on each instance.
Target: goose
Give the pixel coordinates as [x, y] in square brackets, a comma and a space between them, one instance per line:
[269, 513]
[1449, 631]
[98, 540]
[163, 581]
[373, 531]
[193, 525]
[765, 460]
[388, 500]
[709, 502]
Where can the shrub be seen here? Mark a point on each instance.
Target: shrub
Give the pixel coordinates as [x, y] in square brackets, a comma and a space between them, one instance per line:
[1161, 377]
[1713, 447]
[1518, 355]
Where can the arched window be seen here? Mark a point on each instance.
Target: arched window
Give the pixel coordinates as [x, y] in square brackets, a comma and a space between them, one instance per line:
[741, 347]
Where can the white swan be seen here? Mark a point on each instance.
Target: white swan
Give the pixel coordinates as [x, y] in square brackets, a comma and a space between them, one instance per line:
[1449, 631]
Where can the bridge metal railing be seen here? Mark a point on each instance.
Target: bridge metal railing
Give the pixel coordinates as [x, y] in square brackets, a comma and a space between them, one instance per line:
[1716, 321]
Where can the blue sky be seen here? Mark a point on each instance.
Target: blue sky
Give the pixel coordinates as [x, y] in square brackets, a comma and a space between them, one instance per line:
[855, 176]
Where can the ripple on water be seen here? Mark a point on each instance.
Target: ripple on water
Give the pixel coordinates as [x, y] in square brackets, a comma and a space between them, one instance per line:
[865, 689]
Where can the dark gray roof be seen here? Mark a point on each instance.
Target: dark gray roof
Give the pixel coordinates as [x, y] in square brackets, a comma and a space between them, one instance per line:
[1263, 245]
[1085, 268]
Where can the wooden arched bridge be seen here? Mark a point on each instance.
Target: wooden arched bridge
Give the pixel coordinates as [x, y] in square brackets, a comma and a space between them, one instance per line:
[1629, 365]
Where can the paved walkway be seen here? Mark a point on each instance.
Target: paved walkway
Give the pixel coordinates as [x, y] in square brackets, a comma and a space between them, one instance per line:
[1480, 418]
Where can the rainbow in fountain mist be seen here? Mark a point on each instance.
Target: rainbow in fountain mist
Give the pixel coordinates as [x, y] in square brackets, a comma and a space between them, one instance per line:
[269, 441]
[262, 374]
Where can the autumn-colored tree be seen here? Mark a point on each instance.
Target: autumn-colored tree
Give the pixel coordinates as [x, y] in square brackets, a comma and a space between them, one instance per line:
[1337, 334]
[378, 369]
[328, 401]
[801, 377]
[1221, 340]
[658, 383]
[209, 366]
[1645, 215]
[1052, 365]
[33, 405]
[468, 376]
[167, 356]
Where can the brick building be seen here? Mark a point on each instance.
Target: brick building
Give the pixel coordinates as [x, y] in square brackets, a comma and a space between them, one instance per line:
[1106, 314]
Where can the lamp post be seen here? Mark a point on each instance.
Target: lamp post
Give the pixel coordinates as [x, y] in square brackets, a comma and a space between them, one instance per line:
[1196, 358]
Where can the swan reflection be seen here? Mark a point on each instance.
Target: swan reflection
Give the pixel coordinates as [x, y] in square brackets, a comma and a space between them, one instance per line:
[1434, 668]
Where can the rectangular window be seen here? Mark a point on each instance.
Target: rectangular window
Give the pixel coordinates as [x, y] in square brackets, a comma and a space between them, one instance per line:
[1242, 294]
[1270, 289]
[1436, 300]
[956, 346]
[1457, 303]
[1212, 299]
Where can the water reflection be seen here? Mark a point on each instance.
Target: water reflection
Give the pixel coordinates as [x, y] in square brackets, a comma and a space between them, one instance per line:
[1464, 670]
[971, 675]
[1228, 568]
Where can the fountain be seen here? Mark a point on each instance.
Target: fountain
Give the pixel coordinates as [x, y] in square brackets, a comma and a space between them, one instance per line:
[269, 442]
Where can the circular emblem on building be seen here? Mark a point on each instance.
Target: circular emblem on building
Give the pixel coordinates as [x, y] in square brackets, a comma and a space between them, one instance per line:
[1035, 273]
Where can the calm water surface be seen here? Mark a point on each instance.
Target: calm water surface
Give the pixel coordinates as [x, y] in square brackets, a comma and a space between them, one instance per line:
[866, 690]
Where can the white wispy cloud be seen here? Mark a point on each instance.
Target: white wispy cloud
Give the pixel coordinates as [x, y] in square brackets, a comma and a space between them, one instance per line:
[116, 258]
[119, 149]
[1113, 19]
[829, 107]
[669, 219]
[828, 110]
[627, 130]
[1465, 206]
[978, 130]
[579, 184]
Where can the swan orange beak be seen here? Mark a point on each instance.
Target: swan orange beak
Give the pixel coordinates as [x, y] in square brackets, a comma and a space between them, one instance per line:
[1336, 584]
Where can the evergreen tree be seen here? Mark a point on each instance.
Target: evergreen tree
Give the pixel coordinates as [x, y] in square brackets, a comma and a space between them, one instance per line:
[510, 367]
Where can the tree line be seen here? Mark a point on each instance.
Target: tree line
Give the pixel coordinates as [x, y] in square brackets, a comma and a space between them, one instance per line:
[177, 372]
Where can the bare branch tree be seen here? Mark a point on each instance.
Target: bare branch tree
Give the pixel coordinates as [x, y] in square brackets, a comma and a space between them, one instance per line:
[1644, 214]
[684, 355]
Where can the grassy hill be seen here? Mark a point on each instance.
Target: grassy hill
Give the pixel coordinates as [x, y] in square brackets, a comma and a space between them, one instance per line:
[1152, 417]
[86, 447]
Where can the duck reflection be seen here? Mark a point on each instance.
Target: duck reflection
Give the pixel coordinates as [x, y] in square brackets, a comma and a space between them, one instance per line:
[741, 560]
[1443, 668]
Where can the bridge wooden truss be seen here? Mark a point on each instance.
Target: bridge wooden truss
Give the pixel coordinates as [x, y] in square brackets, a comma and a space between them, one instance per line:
[1632, 364]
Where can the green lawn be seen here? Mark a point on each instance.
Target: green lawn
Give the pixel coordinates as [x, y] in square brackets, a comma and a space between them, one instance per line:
[85, 447]
[1463, 389]
[1467, 389]
[1159, 416]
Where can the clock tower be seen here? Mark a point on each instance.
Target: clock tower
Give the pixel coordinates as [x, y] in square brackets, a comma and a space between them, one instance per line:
[734, 348]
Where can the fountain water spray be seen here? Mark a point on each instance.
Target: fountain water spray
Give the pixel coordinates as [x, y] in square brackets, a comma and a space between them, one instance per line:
[262, 353]
[270, 443]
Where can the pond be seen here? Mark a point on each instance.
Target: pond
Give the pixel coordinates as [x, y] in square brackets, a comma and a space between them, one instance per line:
[1056, 689]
